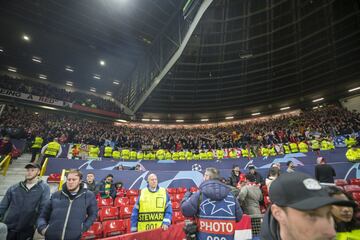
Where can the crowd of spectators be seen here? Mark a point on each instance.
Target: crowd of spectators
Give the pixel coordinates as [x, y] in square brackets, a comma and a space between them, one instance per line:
[327, 121]
[50, 91]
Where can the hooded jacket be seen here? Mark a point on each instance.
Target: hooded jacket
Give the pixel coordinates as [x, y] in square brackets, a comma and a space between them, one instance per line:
[212, 204]
[21, 206]
[67, 216]
[270, 229]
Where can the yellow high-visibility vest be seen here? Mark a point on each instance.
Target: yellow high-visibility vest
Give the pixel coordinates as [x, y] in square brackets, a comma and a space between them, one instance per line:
[52, 149]
[151, 209]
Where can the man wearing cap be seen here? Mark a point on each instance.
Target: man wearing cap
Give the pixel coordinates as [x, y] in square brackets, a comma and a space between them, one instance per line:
[300, 210]
[258, 178]
[22, 204]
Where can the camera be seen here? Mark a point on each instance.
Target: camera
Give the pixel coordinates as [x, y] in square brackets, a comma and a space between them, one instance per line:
[190, 230]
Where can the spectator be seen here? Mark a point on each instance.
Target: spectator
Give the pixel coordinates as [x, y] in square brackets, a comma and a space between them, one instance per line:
[324, 173]
[258, 178]
[234, 190]
[250, 196]
[274, 173]
[107, 188]
[91, 184]
[235, 176]
[153, 203]
[69, 212]
[290, 167]
[5, 147]
[346, 224]
[301, 209]
[212, 195]
[22, 202]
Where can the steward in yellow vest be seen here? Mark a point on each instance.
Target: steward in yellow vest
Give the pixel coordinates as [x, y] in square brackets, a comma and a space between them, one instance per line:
[203, 155]
[140, 155]
[152, 156]
[196, 156]
[294, 147]
[353, 154]
[175, 156]
[286, 148]
[133, 154]
[244, 153]
[233, 153]
[152, 209]
[116, 154]
[210, 155]
[160, 154]
[220, 154]
[125, 154]
[265, 152]
[146, 155]
[108, 152]
[272, 151]
[188, 155]
[182, 155]
[94, 152]
[350, 141]
[315, 145]
[168, 155]
[303, 147]
[36, 147]
[52, 149]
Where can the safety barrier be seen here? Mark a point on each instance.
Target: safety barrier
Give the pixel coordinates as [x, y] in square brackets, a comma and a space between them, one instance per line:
[256, 221]
[4, 164]
[43, 168]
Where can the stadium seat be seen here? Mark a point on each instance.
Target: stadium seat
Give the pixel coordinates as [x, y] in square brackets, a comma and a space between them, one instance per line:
[105, 202]
[132, 192]
[181, 190]
[175, 206]
[193, 189]
[108, 213]
[113, 228]
[179, 197]
[356, 196]
[352, 188]
[172, 190]
[340, 182]
[127, 222]
[95, 231]
[177, 217]
[355, 181]
[125, 212]
[54, 178]
[132, 200]
[120, 192]
[121, 201]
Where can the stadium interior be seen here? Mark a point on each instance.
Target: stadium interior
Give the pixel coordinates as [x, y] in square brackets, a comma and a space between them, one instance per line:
[173, 87]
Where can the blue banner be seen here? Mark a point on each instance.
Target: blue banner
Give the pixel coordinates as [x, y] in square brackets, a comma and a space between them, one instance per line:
[189, 173]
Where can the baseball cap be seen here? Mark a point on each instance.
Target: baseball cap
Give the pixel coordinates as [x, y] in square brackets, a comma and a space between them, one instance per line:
[302, 192]
[32, 165]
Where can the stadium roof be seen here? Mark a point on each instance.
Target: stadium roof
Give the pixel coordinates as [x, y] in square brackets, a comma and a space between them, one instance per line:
[244, 56]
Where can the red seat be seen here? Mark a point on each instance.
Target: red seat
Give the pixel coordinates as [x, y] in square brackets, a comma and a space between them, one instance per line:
[193, 189]
[352, 188]
[114, 227]
[127, 223]
[355, 181]
[121, 201]
[105, 202]
[340, 182]
[132, 192]
[132, 200]
[177, 217]
[95, 231]
[182, 190]
[125, 212]
[356, 196]
[179, 197]
[120, 192]
[175, 206]
[172, 197]
[267, 201]
[108, 213]
[171, 190]
[54, 178]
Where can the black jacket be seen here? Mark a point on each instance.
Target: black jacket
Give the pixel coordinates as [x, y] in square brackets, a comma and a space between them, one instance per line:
[258, 178]
[325, 173]
[67, 216]
[233, 179]
[20, 206]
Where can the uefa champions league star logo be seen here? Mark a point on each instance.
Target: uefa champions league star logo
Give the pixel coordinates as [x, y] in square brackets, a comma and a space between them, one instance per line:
[196, 167]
